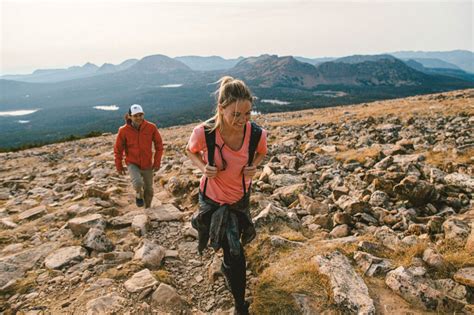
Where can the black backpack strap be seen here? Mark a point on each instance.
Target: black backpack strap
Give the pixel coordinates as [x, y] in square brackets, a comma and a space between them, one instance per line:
[255, 135]
[211, 145]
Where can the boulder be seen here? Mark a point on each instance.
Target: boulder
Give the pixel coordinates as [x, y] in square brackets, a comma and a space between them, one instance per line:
[418, 293]
[349, 290]
[65, 256]
[140, 281]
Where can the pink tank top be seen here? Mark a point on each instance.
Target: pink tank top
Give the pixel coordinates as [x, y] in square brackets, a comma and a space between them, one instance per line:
[226, 187]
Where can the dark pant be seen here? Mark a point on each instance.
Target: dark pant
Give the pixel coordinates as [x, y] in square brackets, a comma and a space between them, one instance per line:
[234, 270]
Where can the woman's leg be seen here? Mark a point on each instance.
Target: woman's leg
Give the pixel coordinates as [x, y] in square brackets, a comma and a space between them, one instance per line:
[234, 269]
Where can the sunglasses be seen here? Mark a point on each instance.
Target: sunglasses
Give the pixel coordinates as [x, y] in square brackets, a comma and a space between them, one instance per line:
[138, 115]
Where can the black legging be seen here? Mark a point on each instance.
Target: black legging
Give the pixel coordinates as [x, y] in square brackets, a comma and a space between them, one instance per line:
[234, 269]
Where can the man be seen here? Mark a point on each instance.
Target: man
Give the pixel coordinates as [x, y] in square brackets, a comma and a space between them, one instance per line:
[136, 138]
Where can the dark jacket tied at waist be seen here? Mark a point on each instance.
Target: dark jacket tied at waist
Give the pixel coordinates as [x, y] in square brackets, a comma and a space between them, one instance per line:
[215, 222]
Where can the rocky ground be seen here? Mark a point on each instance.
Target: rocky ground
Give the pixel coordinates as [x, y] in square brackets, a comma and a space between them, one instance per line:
[366, 208]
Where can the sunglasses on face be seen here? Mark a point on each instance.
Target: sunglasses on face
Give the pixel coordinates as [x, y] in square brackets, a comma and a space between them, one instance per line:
[137, 115]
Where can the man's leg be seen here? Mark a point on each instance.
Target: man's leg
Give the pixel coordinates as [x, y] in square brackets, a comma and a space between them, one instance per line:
[148, 186]
[137, 182]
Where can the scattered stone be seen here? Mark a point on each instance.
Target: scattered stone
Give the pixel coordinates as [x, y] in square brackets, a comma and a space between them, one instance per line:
[81, 225]
[140, 281]
[348, 288]
[465, 276]
[418, 293]
[65, 256]
[32, 213]
[96, 239]
[150, 254]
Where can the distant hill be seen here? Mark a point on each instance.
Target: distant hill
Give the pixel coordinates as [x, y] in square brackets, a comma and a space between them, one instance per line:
[464, 59]
[435, 63]
[273, 71]
[56, 75]
[172, 93]
[450, 72]
[71, 73]
[210, 63]
[159, 64]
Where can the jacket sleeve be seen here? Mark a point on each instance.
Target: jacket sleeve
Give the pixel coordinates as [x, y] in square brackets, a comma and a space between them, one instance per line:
[118, 150]
[158, 143]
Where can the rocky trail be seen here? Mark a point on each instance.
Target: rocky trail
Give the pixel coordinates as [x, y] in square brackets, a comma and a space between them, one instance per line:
[359, 209]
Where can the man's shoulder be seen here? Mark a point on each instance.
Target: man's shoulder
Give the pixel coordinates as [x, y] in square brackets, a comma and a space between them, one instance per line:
[149, 124]
[123, 128]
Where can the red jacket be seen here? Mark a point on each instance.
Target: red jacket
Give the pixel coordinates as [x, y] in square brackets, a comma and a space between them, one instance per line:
[137, 146]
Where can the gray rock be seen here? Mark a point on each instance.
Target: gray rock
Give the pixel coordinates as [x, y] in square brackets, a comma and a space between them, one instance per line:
[32, 213]
[351, 205]
[419, 293]
[278, 241]
[456, 230]
[378, 198]
[108, 304]
[289, 193]
[166, 296]
[451, 288]
[465, 276]
[372, 265]
[433, 259]
[388, 237]
[140, 281]
[166, 212]
[140, 224]
[282, 180]
[340, 231]
[65, 256]
[463, 181]
[418, 192]
[349, 290]
[81, 225]
[96, 239]
[150, 254]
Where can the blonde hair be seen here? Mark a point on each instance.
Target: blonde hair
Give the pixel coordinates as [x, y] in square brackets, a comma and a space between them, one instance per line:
[230, 90]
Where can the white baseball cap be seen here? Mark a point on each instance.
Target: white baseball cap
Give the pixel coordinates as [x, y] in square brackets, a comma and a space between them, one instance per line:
[136, 109]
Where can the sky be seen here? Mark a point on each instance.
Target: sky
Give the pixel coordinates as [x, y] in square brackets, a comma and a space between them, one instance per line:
[37, 34]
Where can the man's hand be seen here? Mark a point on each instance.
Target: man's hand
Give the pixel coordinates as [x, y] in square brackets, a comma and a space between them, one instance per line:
[249, 171]
[210, 171]
[121, 172]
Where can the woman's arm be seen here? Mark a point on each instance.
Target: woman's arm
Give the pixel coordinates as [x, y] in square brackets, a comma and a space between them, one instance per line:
[206, 169]
[249, 171]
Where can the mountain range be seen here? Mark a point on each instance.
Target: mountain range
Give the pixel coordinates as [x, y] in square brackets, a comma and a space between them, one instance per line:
[179, 90]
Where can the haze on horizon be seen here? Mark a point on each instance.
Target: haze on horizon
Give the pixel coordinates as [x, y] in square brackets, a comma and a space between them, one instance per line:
[58, 34]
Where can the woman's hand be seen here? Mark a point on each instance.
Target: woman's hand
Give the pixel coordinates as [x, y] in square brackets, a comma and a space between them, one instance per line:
[249, 171]
[210, 171]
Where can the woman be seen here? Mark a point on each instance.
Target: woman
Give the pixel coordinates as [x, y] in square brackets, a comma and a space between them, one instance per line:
[224, 215]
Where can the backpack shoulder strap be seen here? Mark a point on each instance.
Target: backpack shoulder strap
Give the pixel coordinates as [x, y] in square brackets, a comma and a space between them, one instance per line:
[211, 144]
[255, 135]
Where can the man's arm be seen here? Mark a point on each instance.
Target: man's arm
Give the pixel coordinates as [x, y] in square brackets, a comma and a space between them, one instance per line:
[158, 143]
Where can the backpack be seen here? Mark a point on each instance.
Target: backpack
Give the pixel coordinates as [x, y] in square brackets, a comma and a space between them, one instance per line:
[255, 135]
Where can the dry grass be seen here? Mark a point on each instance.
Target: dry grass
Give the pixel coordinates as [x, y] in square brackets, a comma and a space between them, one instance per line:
[442, 159]
[403, 255]
[125, 272]
[282, 273]
[359, 155]
[455, 254]
[403, 108]
[294, 273]
[163, 276]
